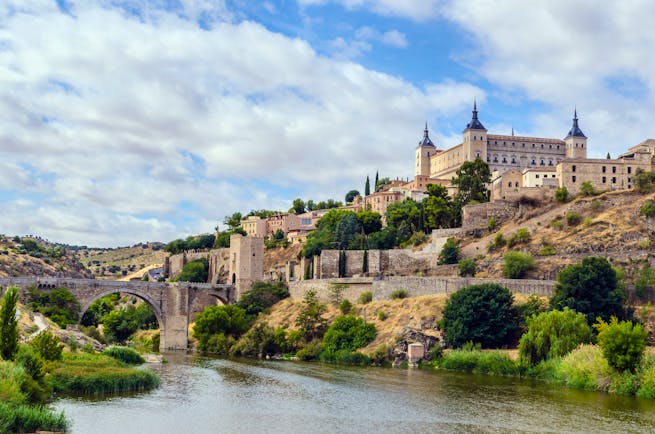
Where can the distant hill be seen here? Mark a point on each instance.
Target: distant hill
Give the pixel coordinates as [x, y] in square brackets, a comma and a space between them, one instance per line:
[122, 262]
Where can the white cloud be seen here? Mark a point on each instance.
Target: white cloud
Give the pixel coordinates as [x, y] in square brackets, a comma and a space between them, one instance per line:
[391, 37]
[147, 128]
[395, 38]
[418, 10]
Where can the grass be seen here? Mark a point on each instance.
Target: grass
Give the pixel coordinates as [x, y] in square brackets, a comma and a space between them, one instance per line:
[479, 362]
[23, 418]
[125, 355]
[96, 374]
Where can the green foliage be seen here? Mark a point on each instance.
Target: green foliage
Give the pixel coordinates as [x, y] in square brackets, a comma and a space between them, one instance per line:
[261, 296]
[449, 252]
[191, 243]
[466, 267]
[345, 306]
[498, 242]
[121, 323]
[310, 320]
[370, 221]
[547, 250]
[553, 334]
[471, 181]
[124, 354]
[534, 305]
[298, 206]
[350, 196]
[223, 238]
[482, 314]
[561, 194]
[47, 345]
[491, 224]
[233, 221]
[365, 297]
[367, 187]
[398, 294]
[60, 305]
[647, 208]
[382, 315]
[644, 181]
[311, 351]
[346, 334]
[516, 264]
[330, 232]
[591, 288]
[439, 211]
[9, 324]
[261, 340]
[335, 293]
[585, 368]
[382, 355]
[587, 189]
[98, 309]
[556, 224]
[23, 418]
[572, 218]
[365, 262]
[647, 383]
[522, 236]
[479, 362]
[230, 321]
[195, 271]
[645, 281]
[342, 263]
[622, 343]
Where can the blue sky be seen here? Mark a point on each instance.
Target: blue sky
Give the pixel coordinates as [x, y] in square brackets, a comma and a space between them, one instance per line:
[127, 121]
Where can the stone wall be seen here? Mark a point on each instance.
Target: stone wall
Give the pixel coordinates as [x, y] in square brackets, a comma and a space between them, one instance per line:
[415, 286]
[477, 216]
[380, 262]
[218, 260]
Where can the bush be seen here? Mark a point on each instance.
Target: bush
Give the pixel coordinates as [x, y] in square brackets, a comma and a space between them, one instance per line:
[261, 296]
[261, 340]
[466, 267]
[573, 218]
[120, 324]
[216, 324]
[498, 242]
[553, 334]
[647, 383]
[311, 351]
[491, 224]
[521, 236]
[482, 314]
[345, 307]
[449, 252]
[23, 418]
[561, 194]
[587, 189]
[591, 288]
[556, 224]
[398, 294]
[60, 305]
[647, 209]
[622, 343]
[382, 315]
[382, 355]
[365, 297]
[478, 362]
[195, 271]
[586, 368]
[348, 333]
[47, 345]
[516, 264]
[125, 355]
[547, 250]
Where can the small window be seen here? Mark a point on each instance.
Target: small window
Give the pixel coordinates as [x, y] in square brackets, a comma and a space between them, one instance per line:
[542, 163]
[542, 146]
[604, 180]
[550, 162]
[603, 169]
[513, 160]
[629, 181]
[629, 172]
[504, 160]
[613, 180]
[573, 168]
[552, 176]
[488, 159]
[582, 145]
[613, 169]
[512, 144]
[573, 178]
[550, 146]
[509, 184]
[495, 159]
[523, 145]
[557, 146]
[537, 176]
[533, 145]
[516, 184]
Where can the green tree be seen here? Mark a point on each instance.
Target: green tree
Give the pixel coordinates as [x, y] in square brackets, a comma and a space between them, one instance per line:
[371, 221]
[59, 304]
[377, 180]
[644, 181]
[261, 296]
[47, 345]
[439, 209]
[591, 288]
[588, 189]
[553, 334]
[195, 271]
[298, 206]
[622, 343]
[219, 320]
[481, 314]
[233, 221]
[407, 212]
[516, 264]
[367, 187]
[561, 194]
[346, 230]
[310, 321]
[9, 324]
[449, 252]
[467, 267]
[471, 181]
[647, 209]
[350, 196]
[608, 156]
[348, 333]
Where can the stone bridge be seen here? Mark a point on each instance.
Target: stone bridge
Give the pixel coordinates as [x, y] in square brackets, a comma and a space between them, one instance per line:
[174, 304]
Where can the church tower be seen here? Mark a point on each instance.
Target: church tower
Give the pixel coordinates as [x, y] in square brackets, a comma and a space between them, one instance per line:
[474, 142]
[576, 141]
[424, 151]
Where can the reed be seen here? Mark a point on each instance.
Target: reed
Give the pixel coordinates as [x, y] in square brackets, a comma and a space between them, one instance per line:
[23, 418]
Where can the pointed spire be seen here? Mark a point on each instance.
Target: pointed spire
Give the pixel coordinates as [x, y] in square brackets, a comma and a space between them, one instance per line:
[425, 131]
[475, 124]
[425, 141]
[575, 129]
[512, 130]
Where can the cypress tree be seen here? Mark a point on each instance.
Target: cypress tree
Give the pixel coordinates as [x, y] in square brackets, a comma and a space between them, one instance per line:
[367, 187]
[608, 156]
[377, 179]
[365, 262]
[9, 324]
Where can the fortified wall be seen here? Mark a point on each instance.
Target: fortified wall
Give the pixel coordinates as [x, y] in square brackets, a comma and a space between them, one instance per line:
[477, 216]
[415, 286]
[218, 260]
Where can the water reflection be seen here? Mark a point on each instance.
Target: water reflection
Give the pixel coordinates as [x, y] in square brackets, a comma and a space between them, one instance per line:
[201, 395]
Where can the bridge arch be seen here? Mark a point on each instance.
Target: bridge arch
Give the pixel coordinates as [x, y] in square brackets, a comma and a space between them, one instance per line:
[143, 296]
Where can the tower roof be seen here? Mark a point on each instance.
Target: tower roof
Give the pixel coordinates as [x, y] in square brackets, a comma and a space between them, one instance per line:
[425, 141]
[475, 124]
[575, 130]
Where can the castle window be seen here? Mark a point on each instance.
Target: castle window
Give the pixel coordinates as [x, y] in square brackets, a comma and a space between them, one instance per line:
[573, 168]
[516, 184]
[495, 159]
[512, 143]
[603, 169]
[550, 162]
[629, 181]
[629, 172]
[477, 154]
[495, 142]
[523, 145]
[604, 180]
[537, 176]
[533, 145]
[509, 184]
[613, 180]
[550, 146]
[504, 160]
[533, 162]
[573, 178]
[613, 169]
[504, 143]
[582, 145]
[542, 146]
[488, 159]
[513, 160]
[552, 176]
[557, 146]
[542, 163]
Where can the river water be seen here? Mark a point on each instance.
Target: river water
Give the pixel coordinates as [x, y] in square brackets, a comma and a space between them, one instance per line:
[203, 395]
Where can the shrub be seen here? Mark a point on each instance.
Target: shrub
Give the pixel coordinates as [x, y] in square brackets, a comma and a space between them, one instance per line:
[547, 250]
[23, 418]
[587, 189]
[449, 252]
[553, 334]
[556, 224]
[482, 314]
[382, 315]
[586, 368]
[399, 294]
[647, 209]
[466, 267]
[533, 306]
[215, 321]
[60, 305]
[310, 320]
[120, 324]
[382, 355]
[9, 324]
[591, 288]
[261, 296]
[522, 236]
[491, 224]
[478, 362]
[195, 271]
[261, 340]
[498, 242]
[596, 205]
[47, 345]
[365, 297]
[335, 292]
[345, 307]
[516, 264]
[573, 218]
[124, 354]
[622, 343]
[647, 386]
[561, 194]
[311, 351]
[348, 332]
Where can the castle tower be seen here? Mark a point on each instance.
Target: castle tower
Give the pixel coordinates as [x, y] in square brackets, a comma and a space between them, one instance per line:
[474, 142]
[246, 262]
[424, 151]
[576, 141]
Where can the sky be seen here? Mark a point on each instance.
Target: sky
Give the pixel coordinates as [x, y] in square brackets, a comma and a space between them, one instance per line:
[124, 121]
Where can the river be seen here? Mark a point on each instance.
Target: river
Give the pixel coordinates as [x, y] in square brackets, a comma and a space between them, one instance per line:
[204, 395]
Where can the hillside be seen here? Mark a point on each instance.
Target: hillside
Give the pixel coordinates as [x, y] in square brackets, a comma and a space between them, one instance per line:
[29, 256]
[123, 262]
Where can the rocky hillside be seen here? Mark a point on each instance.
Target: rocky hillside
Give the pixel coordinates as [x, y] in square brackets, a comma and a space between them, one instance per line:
[30, 256]
[123, 262]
